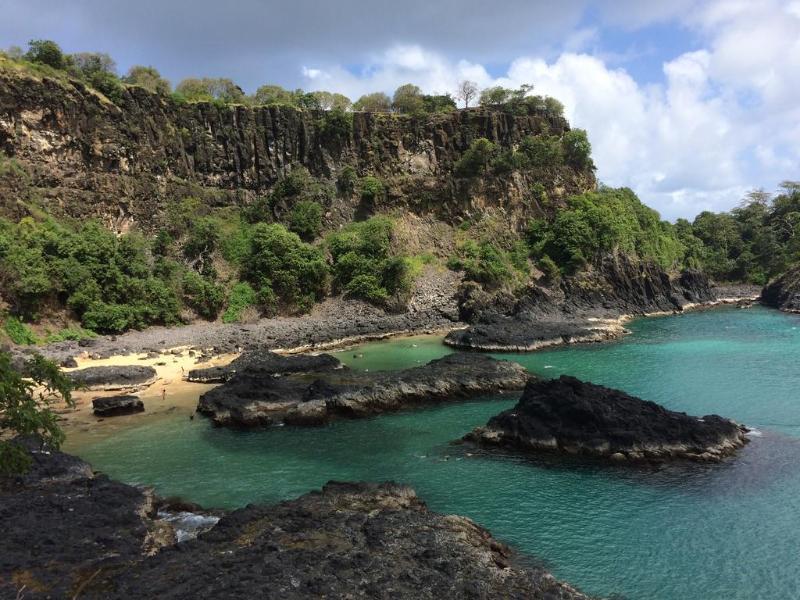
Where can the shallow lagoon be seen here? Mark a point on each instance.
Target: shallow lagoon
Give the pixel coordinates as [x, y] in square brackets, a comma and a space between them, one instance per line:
[721, 531]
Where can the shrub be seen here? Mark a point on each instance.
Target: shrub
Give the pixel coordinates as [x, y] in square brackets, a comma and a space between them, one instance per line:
[18, 332]
[475, 159]
[108, 318]
[242, 297]
[541, 151]
[305, 219]
[347, 180]
[408, 99]
[204, 296]
[46, 52]
[277, 258]
[371, 189]
[209, 89]
[550, 269]
[376, 102]
[367, 287]
[149, 78]
[336, 124]
[577, 149]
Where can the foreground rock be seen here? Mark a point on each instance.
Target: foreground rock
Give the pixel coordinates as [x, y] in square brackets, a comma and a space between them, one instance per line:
[68, 533]
[114, 377]
[112, 406]
[61, 524]
[784, 292]
[573, 417]
[252, 398]
[266, 364]
[582, 308]
[346, 541]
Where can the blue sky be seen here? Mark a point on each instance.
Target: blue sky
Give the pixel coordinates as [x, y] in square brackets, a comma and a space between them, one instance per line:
[690, 103]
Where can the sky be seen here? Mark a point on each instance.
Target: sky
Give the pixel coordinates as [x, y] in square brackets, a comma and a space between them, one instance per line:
[690, 103]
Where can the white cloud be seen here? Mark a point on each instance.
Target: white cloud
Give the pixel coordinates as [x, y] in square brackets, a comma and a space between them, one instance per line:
[724, 119]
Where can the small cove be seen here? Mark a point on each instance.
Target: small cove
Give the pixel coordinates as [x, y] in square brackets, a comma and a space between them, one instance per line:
[720, 531]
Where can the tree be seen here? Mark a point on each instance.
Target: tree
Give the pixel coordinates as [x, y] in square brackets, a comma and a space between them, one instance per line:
[495, 96]
[208, 89]
[438, 103]
[376, 102]
[149, 78]
[269, 94]
[25, 399]
[46, 52]
[408, 99]
[577, 149]
[90, 64]
[466, 92]
[332, 101]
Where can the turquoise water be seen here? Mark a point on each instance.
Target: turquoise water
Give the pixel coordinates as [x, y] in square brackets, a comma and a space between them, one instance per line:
[704, 532]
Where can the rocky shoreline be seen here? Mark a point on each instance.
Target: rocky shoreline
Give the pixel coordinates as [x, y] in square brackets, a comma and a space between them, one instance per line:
[310, 392]
[346, 540]
[784, 292]
[571, 417]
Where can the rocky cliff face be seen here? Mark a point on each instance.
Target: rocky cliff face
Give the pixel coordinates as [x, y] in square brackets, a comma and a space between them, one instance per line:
[784, 292]
[78, 154]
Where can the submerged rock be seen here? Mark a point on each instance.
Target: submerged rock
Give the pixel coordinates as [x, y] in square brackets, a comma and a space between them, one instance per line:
[114, 377]
[266, 364]
[511, 334]
[784, 292]
[573, 417]
[349, 540]
[253, 398]
[112, 406]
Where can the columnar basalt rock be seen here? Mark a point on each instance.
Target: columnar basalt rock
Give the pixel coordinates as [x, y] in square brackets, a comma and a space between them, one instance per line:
[571, 417]
[87, 157]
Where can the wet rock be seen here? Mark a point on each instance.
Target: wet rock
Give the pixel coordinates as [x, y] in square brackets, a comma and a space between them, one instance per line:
[254, 398]
[569, 416]
[113, 406]
[69, 363]
[784, 292]
[349, 540]
[114, 377]
[266, 364]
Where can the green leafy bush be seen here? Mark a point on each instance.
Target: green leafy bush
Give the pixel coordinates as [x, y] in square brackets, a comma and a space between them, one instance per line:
[476, 158]
[305, 219]
[203, 295]
[577, 149]
[242, 297]
[18, 332]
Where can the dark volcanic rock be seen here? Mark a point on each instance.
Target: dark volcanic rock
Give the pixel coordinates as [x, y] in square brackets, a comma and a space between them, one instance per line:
[61, 524]
[114, 377]
[346, 541]
[252, 398]
[784, 292]
[584, 308]
[112, 406]
[569, 416]
[266, 364]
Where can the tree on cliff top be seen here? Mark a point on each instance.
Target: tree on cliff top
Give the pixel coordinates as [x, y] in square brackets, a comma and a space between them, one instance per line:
[377, 102]
[46, 52]
[209, 89]
[25, 408]
[149, 78]
[466, 92]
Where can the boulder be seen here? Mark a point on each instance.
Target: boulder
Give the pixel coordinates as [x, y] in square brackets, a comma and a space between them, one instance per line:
[573, 417]
[112, 406]
[784, 292]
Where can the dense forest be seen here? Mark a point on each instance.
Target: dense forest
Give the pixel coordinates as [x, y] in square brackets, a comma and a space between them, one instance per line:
[275, 255]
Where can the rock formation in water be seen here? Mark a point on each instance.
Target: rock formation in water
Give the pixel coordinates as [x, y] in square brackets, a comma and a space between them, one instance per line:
[266, 364]
[69, 533]
[572, 417]
[112, 406]
[349, 540]
[584, 308]
[784, 292]
[252, 398]
[113, 377]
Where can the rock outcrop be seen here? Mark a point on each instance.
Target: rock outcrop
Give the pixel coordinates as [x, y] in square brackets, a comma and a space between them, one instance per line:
[584, 308]
[253, 399]
[68, 533]
[346, 541]
[265, 364]
[112, 406]
[572, 417]
[79, 154]
[784, 292]
[124, 377]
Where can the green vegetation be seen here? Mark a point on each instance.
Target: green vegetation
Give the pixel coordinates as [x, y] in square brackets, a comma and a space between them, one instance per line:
[752, 243]
[18, 332]
[305, 219]
[25, 408]
[519, 102]
[242, 297]
[149, 78]
[602, 222]
[375, 102]
[364, 265]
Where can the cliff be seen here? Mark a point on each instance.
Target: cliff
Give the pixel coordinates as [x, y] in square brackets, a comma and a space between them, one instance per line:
[75, 153]
[784, 291]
